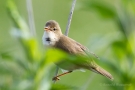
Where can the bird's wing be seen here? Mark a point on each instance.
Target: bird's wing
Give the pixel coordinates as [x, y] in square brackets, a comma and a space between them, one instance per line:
[86, 50]
[73, 47]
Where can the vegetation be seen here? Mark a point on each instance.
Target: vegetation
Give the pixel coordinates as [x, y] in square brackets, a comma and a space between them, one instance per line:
[27, 66]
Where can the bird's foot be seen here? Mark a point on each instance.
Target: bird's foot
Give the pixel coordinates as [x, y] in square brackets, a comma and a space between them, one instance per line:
[55, 78]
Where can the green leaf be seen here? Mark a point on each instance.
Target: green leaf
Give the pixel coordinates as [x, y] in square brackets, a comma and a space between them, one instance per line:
[104, 9]
[63, 87]
[29, 43]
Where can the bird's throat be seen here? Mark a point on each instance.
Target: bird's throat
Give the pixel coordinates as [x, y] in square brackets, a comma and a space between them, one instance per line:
[49, 38]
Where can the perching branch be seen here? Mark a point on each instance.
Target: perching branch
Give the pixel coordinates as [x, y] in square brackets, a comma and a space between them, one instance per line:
[68, 26]
[56, 73]
[31, 18]
[70, 17]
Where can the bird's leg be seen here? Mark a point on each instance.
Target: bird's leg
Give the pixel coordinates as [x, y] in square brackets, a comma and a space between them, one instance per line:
[57, 77]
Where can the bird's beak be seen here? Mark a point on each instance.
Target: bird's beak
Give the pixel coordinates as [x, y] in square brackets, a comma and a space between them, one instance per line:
[46, 28]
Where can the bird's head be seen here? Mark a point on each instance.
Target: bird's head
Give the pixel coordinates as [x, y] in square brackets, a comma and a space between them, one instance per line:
[53, 26]
[52, 32]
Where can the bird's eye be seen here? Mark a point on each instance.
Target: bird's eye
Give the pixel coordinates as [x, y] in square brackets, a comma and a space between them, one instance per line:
[54, 29]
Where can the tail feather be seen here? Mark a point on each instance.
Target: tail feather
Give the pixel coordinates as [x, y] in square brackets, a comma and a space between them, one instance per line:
[103, 72]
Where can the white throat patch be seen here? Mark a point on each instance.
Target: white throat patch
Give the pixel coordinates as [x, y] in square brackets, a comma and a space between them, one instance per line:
[52, 38]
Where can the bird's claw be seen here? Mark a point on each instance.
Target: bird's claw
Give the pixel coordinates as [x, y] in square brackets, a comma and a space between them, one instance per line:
[55, 78]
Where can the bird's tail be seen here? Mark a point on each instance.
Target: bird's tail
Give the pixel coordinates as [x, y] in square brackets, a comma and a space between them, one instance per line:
[101, 71]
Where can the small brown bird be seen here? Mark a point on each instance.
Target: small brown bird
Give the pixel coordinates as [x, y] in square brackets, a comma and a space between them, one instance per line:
[53, 37]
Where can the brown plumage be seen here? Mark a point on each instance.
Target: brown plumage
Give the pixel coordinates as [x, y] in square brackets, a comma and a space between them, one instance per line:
[58, 40]
[69, 45]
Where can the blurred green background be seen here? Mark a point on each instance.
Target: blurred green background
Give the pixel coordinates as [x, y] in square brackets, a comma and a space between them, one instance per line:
[106, 27]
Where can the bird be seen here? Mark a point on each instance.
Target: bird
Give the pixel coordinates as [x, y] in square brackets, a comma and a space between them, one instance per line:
[53, 37]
